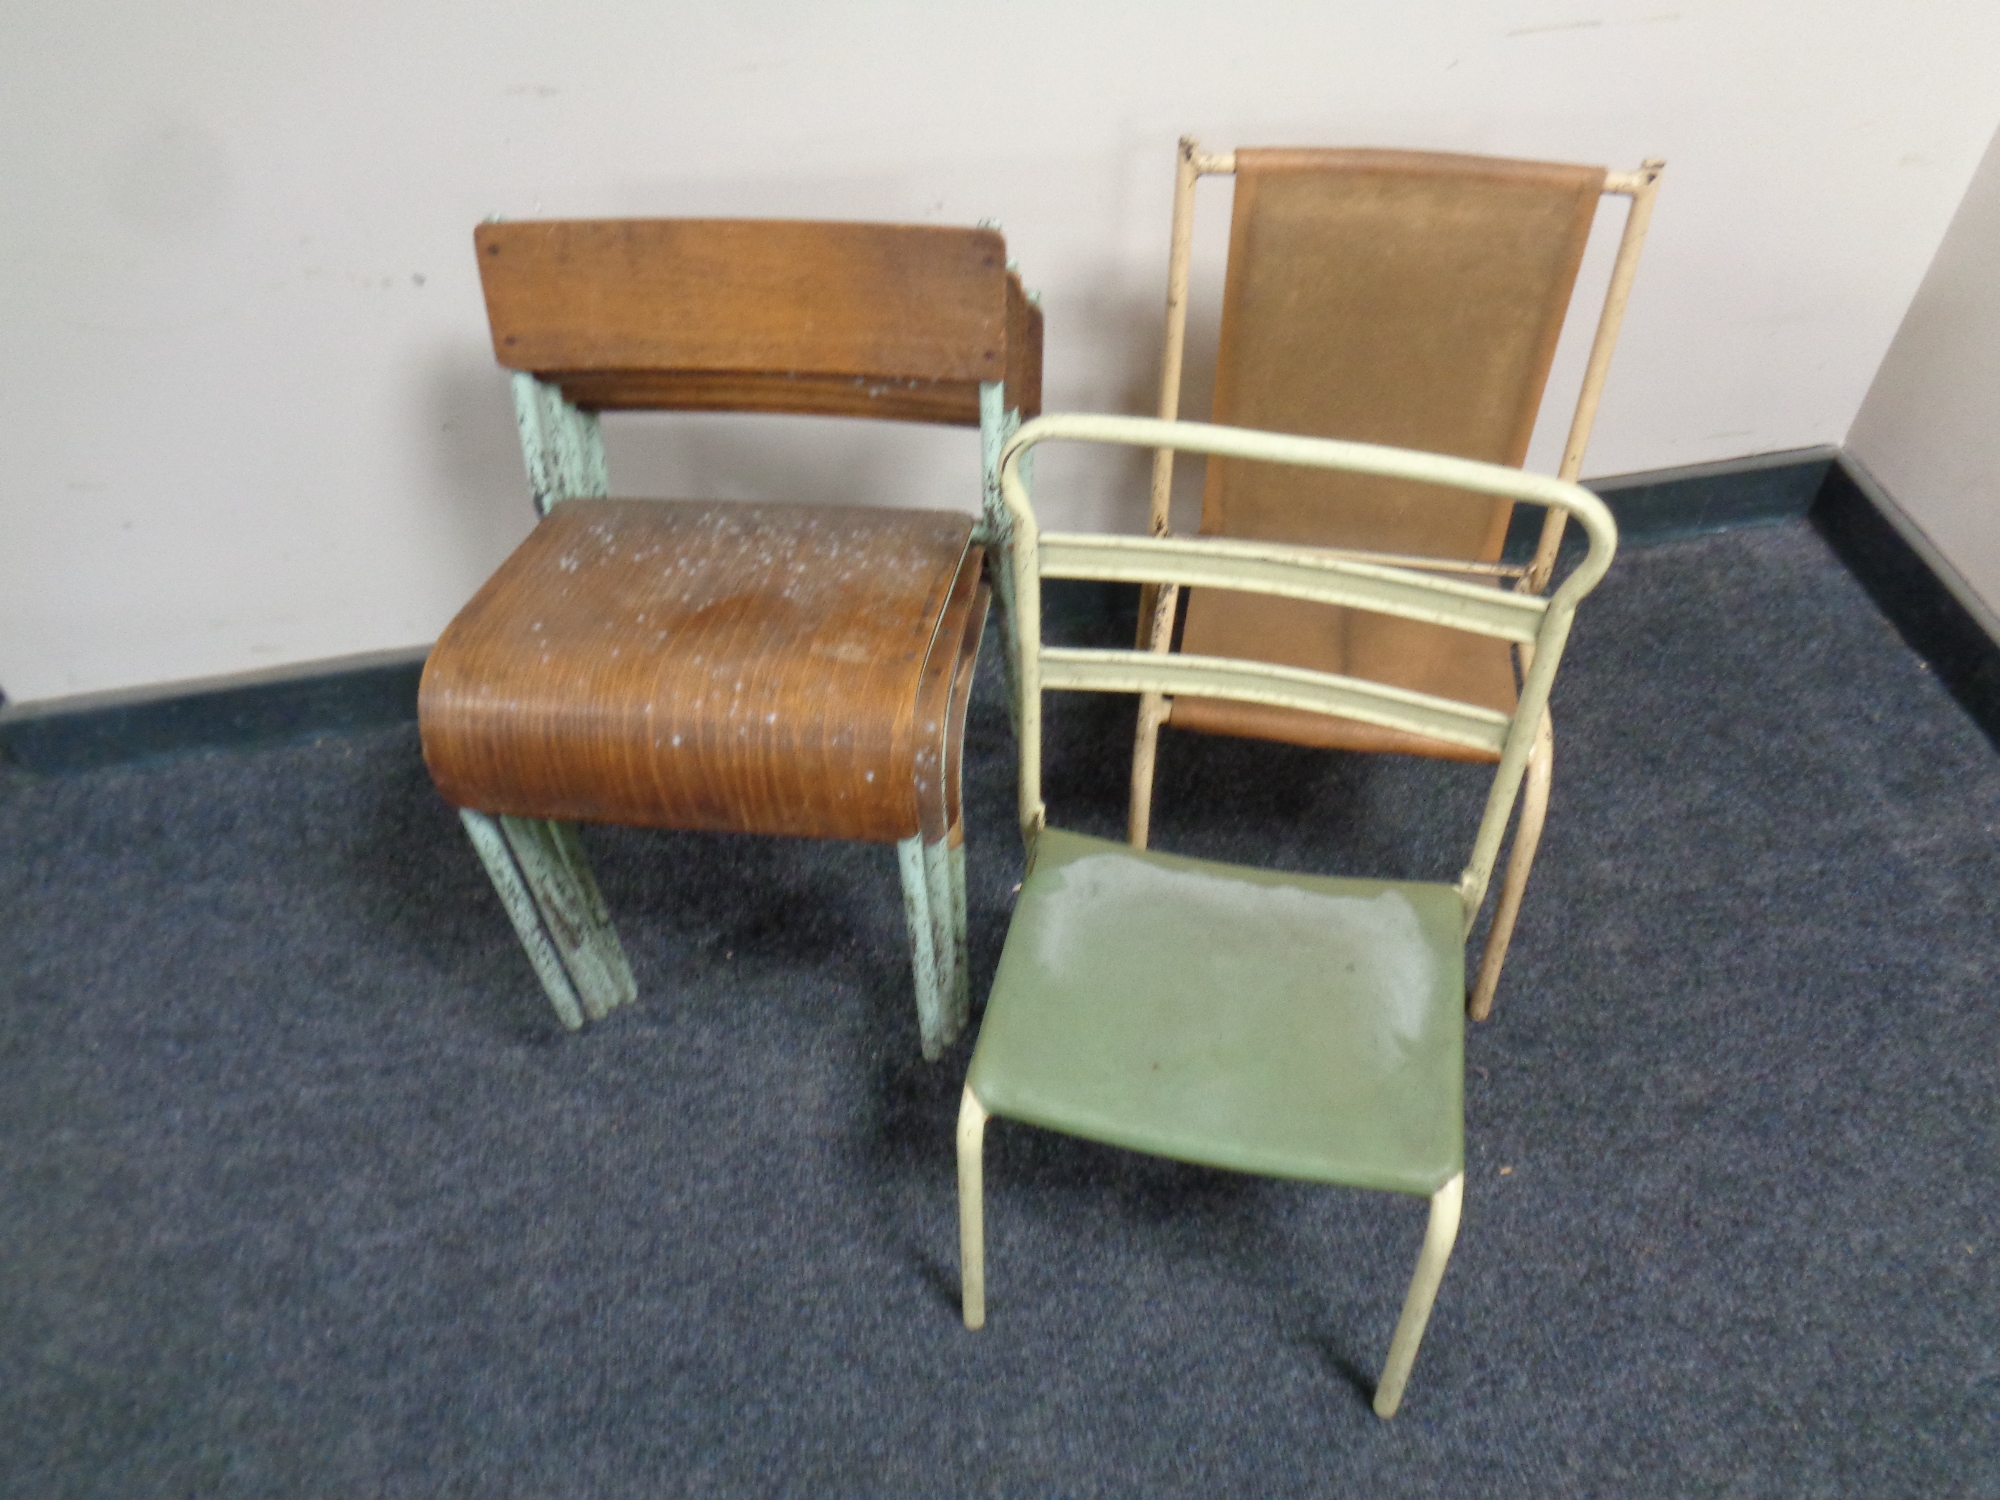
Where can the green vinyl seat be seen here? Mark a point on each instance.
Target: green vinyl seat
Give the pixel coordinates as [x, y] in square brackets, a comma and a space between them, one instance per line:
[1293, 1025]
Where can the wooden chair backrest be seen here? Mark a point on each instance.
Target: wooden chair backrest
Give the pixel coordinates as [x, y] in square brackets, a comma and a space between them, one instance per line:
[903, 322]
[1405, 298]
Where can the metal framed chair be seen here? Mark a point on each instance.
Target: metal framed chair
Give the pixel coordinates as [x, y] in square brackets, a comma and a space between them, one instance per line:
[1290, 1025]
[755, 668]
[1406, 298]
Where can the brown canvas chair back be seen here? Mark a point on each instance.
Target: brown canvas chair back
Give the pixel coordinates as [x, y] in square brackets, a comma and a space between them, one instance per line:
[1391, 297]
[1406, 298]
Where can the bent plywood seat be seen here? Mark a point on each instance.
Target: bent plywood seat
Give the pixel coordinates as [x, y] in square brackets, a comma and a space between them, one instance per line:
[779, 668]
[1301, 1026]
[1404, 298]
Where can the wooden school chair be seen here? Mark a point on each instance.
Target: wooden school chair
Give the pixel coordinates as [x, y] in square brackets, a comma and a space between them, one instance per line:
[1407, 298]
[1291, 1025]
[785, 668]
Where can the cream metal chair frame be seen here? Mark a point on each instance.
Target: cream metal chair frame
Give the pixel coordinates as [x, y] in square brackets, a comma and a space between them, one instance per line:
[1157, 608]
[1538, 623]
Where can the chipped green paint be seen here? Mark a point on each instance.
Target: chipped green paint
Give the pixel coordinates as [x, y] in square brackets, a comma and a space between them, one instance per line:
[519, 902]
[997, 424]
[944, 937]
[552, 862]
[961, 991]
[995, 427]
[931, 1016]
[538, 867]
[562, 447]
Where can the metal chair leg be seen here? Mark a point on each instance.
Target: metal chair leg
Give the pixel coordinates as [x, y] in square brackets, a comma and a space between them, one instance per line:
[1145, 748]
[1154, 709]
[971, 1210]
[923, 945]
[961, 980]
[544, 881]
[1439, 1236]
[551, 857]
[519, 901]
[1520, 859]
[944, 939]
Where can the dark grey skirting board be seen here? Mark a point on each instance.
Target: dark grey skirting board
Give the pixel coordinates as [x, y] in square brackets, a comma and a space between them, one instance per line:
[302, 701]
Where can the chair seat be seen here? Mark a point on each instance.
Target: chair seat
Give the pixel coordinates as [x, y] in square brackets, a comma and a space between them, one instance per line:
[782, 669]
[1290, 1025]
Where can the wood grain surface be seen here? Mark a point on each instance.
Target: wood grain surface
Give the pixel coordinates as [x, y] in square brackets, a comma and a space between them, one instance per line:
[961, 700]
[895, 302]
[728, 666]
[1024, 351]
[902, 399]
[936, 725]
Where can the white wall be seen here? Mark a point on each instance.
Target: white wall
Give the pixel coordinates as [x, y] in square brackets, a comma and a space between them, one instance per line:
[250, 415]
[1929, 430]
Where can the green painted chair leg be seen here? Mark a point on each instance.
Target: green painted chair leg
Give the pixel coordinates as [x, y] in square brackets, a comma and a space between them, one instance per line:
[519, 901]
[944, 936]
[931, 1016]
[552, 860]
[961, 987]
[544, 882]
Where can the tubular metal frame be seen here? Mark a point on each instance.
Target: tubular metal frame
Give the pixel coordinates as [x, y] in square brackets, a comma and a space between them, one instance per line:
[1157, 606]
[1534, 622]
[1255, 567]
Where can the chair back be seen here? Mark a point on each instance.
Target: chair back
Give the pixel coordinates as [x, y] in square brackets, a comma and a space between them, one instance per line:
[1537, 624]
[904, 322]
[1402, 298]
[1405, 298]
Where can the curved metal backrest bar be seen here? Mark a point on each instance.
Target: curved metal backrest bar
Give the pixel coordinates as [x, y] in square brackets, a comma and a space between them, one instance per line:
[1178, 674]
[1324, 577]
[1334, 453]
[1271, 569]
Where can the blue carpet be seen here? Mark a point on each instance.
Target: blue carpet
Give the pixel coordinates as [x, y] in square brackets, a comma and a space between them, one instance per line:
[303, 1191]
